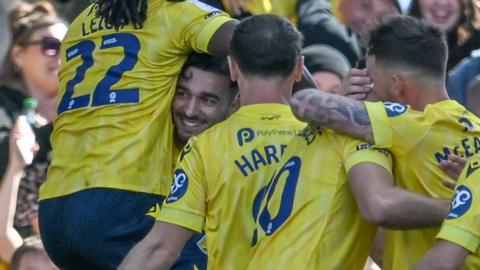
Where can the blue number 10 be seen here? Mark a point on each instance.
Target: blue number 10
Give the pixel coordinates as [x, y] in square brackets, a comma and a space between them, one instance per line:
[268, 223]
[103, 93]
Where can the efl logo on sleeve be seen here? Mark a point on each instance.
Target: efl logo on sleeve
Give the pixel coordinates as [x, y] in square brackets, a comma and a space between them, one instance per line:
[179, 186]
[394, 109]
[461, 203]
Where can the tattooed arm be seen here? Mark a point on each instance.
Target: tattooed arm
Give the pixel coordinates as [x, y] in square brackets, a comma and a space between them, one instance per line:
[336, 112]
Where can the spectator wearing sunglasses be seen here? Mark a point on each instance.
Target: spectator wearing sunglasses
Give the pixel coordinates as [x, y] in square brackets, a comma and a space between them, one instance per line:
[31, 70]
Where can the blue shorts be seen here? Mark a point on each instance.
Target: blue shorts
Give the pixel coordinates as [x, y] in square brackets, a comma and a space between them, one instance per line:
[193, 255]
[96, 228]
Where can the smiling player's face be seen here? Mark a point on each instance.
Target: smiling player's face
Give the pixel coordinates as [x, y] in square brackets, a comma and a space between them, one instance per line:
[202, 99]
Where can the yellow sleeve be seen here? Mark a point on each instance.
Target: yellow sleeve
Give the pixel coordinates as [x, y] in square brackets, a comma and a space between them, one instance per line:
[382, 132]
[359, 152]
[194, 23]
[462, 224]
[460, 237]
[185, 205]
[396, 127]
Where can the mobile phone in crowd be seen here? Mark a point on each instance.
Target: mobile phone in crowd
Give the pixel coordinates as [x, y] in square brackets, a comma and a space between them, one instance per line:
[362, 63]
[26, 142]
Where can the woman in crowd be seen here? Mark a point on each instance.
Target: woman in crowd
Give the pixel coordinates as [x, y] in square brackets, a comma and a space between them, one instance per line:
[447, 15]
[468, 33]
[31, 70]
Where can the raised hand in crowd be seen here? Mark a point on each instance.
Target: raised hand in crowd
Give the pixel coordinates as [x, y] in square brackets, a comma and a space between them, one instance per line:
[238, 7]
[20, 138]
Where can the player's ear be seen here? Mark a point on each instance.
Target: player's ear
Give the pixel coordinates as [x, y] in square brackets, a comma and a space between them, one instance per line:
[298, 70]
[400, 87]
[234, 105]
[232, 65]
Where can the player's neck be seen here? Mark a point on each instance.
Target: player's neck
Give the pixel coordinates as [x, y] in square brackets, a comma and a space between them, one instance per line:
[431, 96]
[264, 91]
[179, 143]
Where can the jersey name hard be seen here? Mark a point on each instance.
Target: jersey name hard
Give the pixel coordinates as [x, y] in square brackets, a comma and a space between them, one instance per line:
[419, 141]
[219, 174]
[114, 127]
[461, 226]
[284, 8]
[309, 218]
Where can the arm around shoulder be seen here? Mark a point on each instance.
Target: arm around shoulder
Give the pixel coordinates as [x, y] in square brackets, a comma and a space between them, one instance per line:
[384, 204]
[220, 41]
[332, 111]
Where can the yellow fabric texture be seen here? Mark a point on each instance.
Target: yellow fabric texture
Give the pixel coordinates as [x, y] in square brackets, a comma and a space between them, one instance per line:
[219, 174]
[121, 135]
[419, 141]
[461, 225]
[325, 229]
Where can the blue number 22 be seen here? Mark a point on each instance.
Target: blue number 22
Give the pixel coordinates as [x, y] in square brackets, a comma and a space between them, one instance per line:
[103, 93]
[268, 223]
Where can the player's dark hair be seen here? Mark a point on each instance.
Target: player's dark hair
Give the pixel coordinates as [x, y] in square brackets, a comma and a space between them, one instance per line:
[210, 63]
[122, 12]
[408, 42]
[207, 62]
[266, 45]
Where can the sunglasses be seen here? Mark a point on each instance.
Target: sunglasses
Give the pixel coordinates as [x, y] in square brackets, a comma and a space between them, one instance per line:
[50, 46]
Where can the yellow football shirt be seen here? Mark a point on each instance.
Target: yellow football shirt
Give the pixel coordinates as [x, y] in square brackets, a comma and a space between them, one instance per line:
[219, 174]
[176, 153]
[461, 226]
[418, 142]
[284, 8]
[309, 218]
[114, 128]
